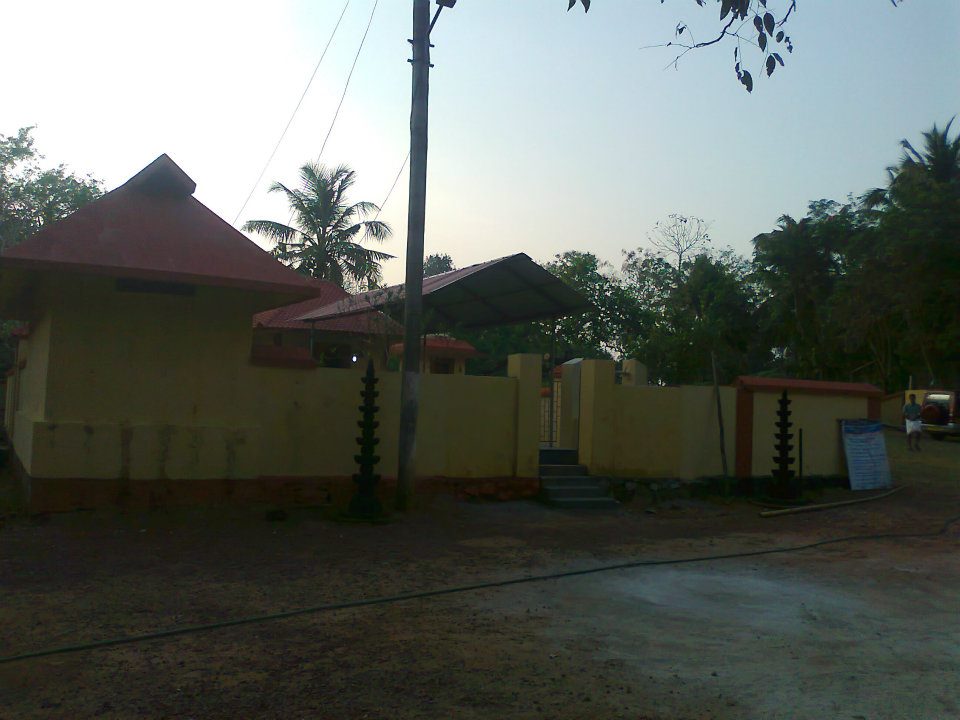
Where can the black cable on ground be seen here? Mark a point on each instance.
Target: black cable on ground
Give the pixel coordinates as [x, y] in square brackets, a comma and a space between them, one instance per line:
[389, 599]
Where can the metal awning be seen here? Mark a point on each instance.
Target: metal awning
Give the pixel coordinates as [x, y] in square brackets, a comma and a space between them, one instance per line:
[509, 290]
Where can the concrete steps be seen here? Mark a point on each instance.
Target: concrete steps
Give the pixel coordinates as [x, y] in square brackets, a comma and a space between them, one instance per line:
[563, 471]
[558, 456]
[564, 483]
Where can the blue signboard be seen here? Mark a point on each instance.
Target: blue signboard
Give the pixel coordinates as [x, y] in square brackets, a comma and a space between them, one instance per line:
[866, 452]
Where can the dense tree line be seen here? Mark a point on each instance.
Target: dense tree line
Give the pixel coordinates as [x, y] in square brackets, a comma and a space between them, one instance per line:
[865, 290]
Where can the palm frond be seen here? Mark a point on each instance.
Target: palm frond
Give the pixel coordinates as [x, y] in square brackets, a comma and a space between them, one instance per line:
[278, 232]
[324, 242]
[362, 209]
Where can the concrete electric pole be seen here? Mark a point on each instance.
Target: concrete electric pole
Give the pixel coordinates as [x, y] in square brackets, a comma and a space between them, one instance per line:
[416, 212]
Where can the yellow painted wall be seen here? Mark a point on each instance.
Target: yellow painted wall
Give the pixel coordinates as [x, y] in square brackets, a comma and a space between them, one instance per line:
[891, 408]
[818, 415]
[31, 387]
[142, 385]
[597, 416]
[308, 423]
[650, 431]
[149, 386]
[525, 370]
[146, 357]
[701, 430]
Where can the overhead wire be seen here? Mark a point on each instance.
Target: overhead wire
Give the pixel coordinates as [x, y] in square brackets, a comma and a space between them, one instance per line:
[349, 77]
[343, 95]
[390, 191]
[390, 599]
[293, 115]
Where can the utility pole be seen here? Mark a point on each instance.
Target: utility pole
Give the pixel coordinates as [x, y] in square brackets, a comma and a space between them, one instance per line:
[416, 220]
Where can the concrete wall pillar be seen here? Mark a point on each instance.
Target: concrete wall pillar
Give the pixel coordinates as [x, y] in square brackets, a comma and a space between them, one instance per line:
[634, 373]
[526, 369]
[597, 415]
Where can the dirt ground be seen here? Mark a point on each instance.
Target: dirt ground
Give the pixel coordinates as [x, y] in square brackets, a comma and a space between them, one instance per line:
[862, 630]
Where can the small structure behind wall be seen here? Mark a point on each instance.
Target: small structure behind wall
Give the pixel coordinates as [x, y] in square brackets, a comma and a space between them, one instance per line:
[280, 339]
[442, 355]
[817, 409]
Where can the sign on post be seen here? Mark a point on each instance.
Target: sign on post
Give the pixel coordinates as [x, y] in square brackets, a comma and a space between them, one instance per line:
[866, 453]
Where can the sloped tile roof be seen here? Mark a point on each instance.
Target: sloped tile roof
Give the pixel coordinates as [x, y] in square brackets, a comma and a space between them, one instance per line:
[152, 228]
[287, 317]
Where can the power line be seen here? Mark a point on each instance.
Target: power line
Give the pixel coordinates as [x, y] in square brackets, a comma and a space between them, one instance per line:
[343, 95]
[390, 191]
[349, 76]
[293, 114]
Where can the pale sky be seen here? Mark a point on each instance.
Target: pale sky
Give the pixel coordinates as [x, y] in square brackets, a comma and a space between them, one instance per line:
[550, 131]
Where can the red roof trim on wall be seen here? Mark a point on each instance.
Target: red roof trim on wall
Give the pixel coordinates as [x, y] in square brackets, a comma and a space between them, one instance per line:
[807, 387]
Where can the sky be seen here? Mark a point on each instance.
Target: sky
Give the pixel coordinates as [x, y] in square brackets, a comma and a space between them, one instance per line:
[549, 131]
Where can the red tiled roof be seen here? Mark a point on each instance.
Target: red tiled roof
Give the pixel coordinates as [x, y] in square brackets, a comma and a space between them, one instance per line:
[810, 387]
[442, 344]
[369, 323]
[152, 228]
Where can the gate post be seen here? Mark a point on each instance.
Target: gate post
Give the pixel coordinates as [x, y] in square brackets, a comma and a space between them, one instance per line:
[526, 369]
[634, 373]
[597, 415]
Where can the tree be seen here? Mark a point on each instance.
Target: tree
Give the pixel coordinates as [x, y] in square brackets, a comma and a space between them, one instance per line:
[938, 163]
[680, 236]
[437, 264]
[706, 308]
[597, 332]
[324, 241]
[747, 22]
[917, 218]
[799, 264]
[32, 196]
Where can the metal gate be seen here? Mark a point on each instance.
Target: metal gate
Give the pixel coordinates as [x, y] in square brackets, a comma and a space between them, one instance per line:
[550, 399]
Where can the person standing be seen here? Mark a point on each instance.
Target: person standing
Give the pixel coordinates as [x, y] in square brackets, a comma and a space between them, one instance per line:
[913, 423]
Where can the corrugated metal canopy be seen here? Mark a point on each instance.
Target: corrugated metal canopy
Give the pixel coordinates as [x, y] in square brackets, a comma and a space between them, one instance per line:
[499, 292]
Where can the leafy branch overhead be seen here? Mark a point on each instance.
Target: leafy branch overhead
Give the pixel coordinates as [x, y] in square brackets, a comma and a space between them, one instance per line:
[758, 23]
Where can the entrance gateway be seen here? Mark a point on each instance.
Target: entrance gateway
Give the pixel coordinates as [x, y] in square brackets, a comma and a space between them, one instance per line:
[560, 407]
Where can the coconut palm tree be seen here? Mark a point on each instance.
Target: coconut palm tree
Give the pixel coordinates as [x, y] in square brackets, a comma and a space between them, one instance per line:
[937, 164]
[939, 161]
[324, 238]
